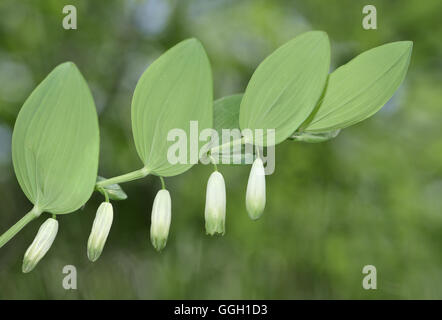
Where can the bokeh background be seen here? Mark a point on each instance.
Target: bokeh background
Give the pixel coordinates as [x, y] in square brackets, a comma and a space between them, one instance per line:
[371, 196]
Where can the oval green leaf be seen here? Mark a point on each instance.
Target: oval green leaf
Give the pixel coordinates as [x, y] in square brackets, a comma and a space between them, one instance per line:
[286, 86]
[226, 116]
[358, 89]
[226, 113]
[175, 90]
[55, 142]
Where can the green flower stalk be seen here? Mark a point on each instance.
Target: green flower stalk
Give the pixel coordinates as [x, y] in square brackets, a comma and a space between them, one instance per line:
[100, 231]
[160, 219]
[215, 211]
[41, 244]
[256, 190]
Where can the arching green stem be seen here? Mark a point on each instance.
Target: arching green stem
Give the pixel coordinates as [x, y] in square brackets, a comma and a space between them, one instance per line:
[228, 144]
[12, 231]
[134, 175]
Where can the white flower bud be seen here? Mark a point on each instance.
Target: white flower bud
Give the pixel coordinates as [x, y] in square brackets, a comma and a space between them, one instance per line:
[100, 230]
[256, 190]
[215, 212]
[160, 219]
[41, 244]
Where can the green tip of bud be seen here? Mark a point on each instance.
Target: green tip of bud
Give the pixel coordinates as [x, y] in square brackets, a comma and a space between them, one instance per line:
[254, 212]
[27, 266]
[158, 243]
[93, 255]
[215, 225]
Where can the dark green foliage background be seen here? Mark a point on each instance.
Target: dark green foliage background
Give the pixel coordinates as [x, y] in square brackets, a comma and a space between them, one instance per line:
[371, 196]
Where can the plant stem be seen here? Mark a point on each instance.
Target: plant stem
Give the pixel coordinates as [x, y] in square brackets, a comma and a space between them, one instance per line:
[163, 184]
[257, 151]
[212, 159]
[12, 231]
[134, 175]
[106, 196]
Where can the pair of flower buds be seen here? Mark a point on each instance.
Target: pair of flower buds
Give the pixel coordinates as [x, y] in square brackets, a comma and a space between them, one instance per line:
[48, 231]
[214, 214]
[159, 230]
[215, 211]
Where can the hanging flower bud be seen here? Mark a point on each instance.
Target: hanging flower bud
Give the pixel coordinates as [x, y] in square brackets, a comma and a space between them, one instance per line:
[215, 212]
[41, 244]
[160, 219]
[100, 230]
[256, 190]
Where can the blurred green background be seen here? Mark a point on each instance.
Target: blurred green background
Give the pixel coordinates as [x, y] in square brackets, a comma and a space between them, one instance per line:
[371, 196]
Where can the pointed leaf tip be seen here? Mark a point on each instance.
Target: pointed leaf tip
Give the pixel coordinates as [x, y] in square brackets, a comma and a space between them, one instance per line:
[175, 90]
[286, 87]
[358, 89]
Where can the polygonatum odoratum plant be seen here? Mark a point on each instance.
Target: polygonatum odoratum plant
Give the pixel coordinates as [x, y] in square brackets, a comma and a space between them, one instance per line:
[291, 95]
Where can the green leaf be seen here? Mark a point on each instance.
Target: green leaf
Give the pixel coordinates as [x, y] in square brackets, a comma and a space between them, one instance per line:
[287, 86]
[312, 137]
[113, 191]
[174, 90]
[226, 113]
[358, 89]
[226, 116]
[55, 142]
